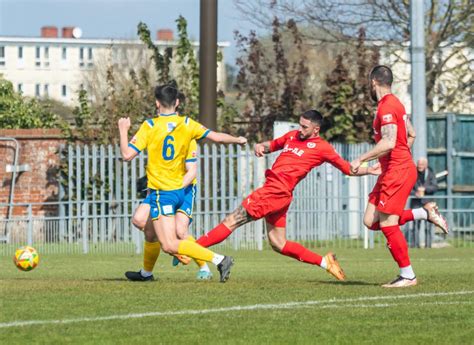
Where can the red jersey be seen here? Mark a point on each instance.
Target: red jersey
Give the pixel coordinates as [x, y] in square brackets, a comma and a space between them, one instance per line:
[391, 110]
[299, 157]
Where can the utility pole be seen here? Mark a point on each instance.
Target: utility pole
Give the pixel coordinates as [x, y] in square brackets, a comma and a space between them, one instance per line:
[208, 64]
[418, 81]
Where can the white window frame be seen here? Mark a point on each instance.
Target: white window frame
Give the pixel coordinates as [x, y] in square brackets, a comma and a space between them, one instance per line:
[2, 57]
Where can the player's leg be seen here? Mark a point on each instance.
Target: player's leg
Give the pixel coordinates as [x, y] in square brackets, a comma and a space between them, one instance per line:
[398, 247]
[276, 232]
[141, 215]
[257, 205]
[182, 231]
[234, 220]
[151, 246]
[165, 228]
[395, 190]
[428, 212]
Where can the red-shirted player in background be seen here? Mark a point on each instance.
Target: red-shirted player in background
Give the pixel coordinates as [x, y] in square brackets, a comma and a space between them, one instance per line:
[394, 136]
[302, 151]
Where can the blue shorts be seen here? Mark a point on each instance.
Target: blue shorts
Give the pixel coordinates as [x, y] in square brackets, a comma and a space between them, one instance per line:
[188, 203]
[169, 202]
[164, 202]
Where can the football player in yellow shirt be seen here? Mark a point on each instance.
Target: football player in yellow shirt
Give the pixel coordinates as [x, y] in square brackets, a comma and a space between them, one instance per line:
[167, 138]
[183, 216]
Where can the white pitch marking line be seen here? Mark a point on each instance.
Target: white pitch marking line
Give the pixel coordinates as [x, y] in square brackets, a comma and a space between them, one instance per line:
[289, 305]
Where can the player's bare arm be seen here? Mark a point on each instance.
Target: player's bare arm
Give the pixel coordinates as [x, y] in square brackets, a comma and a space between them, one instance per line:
[237, 218]
[127, 152]
[224, 138]
[410, 133]
[262, 148]
[191, 173]
[384, 146]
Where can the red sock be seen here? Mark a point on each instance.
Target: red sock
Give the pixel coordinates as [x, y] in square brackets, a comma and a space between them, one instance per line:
[216, 235]
[297, 251]
[407, 216]
[397, 245]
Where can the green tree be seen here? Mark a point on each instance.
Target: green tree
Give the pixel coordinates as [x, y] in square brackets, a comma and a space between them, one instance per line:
[335, 105]
[448, 35]
[17, 111]
[273, 81]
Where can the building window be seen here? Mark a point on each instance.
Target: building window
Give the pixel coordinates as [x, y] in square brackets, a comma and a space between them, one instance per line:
[64, 53]
[64, 91]
[46, 53]
[81, 57]
[46, 90]
[89, 56]
[20, 88]
[2, 56]
[38, 57]
[37, 90]
[20, 52]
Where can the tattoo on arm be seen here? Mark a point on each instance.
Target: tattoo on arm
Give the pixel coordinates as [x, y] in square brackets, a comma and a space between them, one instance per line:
[389, 132]
[266, 146]
[239, 217]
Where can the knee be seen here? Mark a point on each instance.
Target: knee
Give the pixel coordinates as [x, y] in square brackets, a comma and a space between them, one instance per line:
[168, 248]
[139, 223]
[277, 243]
[182, 232]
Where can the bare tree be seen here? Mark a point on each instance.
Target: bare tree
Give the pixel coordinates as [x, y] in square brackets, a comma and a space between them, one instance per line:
[448, 33]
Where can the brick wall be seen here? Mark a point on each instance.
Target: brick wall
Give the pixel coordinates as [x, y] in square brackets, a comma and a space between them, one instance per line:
[39, 149]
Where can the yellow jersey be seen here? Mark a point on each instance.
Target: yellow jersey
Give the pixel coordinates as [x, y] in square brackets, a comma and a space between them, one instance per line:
[167, 139]
[192, 156]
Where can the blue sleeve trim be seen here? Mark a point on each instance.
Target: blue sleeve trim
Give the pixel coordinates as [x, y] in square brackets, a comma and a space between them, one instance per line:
[186, 121]
[190, 160]
[205, 134]
[150, 122]
[134, 147]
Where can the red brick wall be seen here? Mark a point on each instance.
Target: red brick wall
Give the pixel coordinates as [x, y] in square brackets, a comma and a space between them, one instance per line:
[39, 149]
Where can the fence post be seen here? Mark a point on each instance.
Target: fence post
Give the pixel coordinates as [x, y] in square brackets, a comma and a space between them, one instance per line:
[450, 152]
[29, 234]
[84, 222]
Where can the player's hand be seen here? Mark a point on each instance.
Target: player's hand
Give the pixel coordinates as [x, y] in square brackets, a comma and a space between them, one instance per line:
[375, 169]
[259, 150]
[124, 124]
[355, 165]
[241, 141]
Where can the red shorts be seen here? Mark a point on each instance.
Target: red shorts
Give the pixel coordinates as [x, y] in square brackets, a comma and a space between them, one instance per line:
[393, 187]
[271, 202]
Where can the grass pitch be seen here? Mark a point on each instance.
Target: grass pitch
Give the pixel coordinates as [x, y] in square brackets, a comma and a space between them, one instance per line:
[270, 299]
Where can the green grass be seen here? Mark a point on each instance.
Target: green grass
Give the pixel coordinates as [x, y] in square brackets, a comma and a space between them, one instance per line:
[88, 286]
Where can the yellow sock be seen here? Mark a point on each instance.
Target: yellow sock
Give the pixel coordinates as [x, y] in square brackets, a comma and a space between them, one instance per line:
[198, 262]
[194, 250]
[151, 250]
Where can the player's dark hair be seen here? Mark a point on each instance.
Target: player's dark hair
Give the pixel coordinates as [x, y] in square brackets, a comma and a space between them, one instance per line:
[382, 74]
[168, 94]
[314, 116]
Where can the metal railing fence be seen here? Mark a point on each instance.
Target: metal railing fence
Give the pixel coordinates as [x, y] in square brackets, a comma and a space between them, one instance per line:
[99, 194]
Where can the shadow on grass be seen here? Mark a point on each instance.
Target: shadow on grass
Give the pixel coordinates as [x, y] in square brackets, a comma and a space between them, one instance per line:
[349, 282]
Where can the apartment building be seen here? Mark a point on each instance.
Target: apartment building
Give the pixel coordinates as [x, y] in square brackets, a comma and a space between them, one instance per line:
[59, 62]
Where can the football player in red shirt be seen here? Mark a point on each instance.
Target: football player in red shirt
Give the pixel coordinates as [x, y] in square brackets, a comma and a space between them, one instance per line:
[301, 151]
[394, 136]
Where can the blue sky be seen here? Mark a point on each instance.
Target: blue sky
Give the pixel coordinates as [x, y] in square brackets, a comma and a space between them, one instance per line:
[115, 18]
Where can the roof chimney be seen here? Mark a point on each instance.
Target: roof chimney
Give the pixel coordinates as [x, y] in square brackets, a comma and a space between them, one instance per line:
[164, 35]
[49, 32]
[67, 31]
